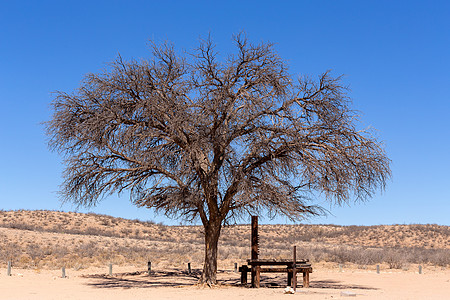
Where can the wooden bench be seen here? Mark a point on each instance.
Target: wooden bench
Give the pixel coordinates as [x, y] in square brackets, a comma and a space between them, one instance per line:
[276, 266]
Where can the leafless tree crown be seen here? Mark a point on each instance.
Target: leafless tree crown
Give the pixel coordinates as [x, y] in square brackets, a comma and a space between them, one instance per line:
[199, 137]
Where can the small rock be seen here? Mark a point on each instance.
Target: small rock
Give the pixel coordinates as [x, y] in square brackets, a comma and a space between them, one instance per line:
[289, 290]
[348, 294]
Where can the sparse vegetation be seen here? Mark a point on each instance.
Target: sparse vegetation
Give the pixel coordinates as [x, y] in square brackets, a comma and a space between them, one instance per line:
[50, 239]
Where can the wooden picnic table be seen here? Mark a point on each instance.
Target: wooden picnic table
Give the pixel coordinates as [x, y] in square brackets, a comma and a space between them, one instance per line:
[289, 266]
[258, 266]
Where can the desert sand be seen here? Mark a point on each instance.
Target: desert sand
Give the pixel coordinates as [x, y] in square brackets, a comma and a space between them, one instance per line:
[39, 243]
[126, 283]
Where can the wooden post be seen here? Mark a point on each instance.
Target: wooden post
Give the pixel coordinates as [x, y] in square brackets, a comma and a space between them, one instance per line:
[255, 248]
[235, 267]
[63, 272]
[289, 278]
[110, 269]
[244, 271]
[294, 269]
[189, 268]
[149, 267]
[8, 272]
[340, 267]
[255, 239]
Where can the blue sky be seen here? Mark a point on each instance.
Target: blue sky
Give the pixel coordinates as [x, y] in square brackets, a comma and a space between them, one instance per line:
[395, 56]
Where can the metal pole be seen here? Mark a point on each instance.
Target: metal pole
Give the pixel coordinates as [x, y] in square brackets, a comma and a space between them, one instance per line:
[110, 269]
[189, 268]
[63, 272]
[149, 267]
[420, 269]
[8, 272]
[378, 269]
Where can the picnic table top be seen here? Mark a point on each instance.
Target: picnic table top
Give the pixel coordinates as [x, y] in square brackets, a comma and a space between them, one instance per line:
[272, 262]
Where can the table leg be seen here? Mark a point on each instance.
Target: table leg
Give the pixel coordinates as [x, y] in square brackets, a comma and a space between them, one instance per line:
[306, 279]
[253, 276]
[258, 276]
[294, 279]
[244, 271]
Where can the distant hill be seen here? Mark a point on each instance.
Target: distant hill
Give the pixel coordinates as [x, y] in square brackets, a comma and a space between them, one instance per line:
[35, 239]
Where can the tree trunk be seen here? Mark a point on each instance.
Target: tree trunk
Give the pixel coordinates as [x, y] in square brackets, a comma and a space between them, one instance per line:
[209, 275]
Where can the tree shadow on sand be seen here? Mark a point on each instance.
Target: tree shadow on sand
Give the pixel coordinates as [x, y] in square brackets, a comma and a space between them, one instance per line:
[141, 279]
[280, 281]
[333, 284]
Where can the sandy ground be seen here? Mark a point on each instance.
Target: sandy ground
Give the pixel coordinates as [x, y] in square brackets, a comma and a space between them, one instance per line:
[126, 283]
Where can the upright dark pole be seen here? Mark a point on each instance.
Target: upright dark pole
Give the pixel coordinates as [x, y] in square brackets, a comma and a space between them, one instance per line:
[255, 251]
[255, 239]
[294, 269]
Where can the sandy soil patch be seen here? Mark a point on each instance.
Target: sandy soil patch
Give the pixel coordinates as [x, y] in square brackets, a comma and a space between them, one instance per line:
[127, 283]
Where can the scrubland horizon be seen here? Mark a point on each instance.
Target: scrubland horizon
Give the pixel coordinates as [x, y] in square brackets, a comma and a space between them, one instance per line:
[36, 239]
[263, 220]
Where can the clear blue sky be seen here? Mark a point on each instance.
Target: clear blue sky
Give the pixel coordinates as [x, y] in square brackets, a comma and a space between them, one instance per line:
[395, 55]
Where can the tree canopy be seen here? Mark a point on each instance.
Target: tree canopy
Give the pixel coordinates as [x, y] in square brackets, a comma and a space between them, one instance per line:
[200, 137]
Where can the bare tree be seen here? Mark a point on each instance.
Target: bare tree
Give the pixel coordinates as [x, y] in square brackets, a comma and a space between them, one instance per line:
[209, 139]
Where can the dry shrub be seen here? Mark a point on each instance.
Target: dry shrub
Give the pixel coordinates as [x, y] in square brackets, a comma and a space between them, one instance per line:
[394, 259]
[82, 240]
